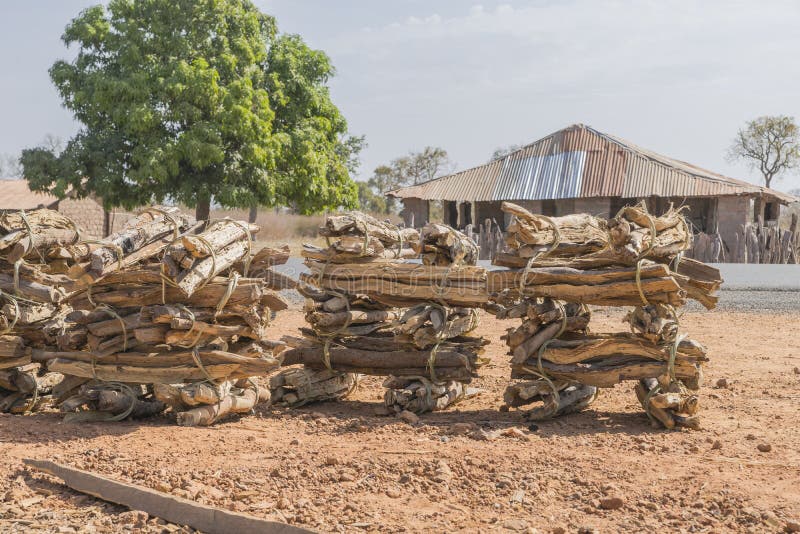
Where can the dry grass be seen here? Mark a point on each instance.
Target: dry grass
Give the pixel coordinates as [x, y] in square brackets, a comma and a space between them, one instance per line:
[278, 228]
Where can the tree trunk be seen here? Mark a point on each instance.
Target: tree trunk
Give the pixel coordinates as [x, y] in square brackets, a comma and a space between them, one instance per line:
[203, 209]
[253, 214]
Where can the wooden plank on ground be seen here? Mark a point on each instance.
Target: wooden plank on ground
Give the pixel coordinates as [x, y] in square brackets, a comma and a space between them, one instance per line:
[168, 507]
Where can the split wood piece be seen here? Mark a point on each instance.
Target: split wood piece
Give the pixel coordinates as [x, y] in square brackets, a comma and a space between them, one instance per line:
[409, 273]
[394, 293]
[97, 401]
[301, 385]
[163, 362]
[631, 233]
[354, 316]
[240, 399]
[13, 352]
[157, 504]
[671, 406]
[388, 342]
[540, 335]
[664, 290]
[37, 218]
[455, 326]
[656, 323]
[85, 276]
[612, 370]
[148, 226]
[386, 361]
[357, 223]
[201, 271]
[36, 245]
[580, 229]
[159, 368]
[16, 379]
[269, 257]
[32, 290]
[419, 396]
[246, 292]
[499, 280]
[337, 253]
[571, 399]
[217, 236]
[67, 387]
[530, 391]
[26, 312]
[594, 347]
[444, 246]
[79, 252]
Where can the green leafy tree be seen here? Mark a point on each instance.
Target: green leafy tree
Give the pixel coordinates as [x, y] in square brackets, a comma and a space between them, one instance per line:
[770, 144]
[183, 100]
[415, 168]
[369, 201]
[318, 156]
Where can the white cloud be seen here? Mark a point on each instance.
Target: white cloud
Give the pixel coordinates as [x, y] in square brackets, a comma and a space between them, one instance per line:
[655, 69]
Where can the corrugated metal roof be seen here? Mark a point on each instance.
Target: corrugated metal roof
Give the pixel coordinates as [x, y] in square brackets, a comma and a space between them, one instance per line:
[16, 195]
[580, 161]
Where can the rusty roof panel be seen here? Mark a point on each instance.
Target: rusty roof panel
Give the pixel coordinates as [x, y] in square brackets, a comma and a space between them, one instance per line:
[579, 161]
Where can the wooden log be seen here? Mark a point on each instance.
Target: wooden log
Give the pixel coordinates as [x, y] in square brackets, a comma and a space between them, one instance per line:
[300, 386]
[328, 320]
[611, 371]
[145, 228]
[447, 246]
[531, 345]
[190, 280]
[168, 507]
[356, 223]
[660, 414]
[218, 236]
[571, 399]
[35, 245]
[379, 360]
[13, 352]
[246, 292]
[232, 403]
[32, 290]
[263, 364]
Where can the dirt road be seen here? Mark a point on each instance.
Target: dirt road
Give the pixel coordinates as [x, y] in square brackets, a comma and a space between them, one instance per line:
[338, 467]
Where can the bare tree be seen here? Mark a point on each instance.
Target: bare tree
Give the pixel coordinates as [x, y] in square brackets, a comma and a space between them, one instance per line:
[10, 166]
[500, 153]
[770, 144]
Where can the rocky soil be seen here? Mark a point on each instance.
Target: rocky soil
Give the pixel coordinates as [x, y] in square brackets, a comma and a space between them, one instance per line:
[339, 467]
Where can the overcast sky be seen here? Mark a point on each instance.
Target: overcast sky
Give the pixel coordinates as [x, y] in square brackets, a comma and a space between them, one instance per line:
[675, 76]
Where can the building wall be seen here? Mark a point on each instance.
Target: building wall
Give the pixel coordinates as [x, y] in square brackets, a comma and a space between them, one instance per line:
[594, 206]
[415, 212]
[732, 213]
[87, 213]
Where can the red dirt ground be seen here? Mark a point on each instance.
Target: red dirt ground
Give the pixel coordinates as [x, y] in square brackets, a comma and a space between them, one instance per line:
[339, 467]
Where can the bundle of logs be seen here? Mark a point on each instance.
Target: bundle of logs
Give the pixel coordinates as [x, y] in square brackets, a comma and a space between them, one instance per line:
[371, 313]
[560, 265]
[161, 314]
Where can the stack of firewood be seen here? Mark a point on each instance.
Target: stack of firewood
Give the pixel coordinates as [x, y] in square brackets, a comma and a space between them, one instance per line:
[36, 249]
[564, 264]
[156, 315]
[373, 314]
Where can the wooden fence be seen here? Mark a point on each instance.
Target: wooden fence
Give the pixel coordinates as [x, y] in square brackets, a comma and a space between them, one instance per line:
[488, 236]
[753, 243]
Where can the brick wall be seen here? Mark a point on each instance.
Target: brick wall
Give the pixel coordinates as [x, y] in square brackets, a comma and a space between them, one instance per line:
[87, 213]
[732, 213]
